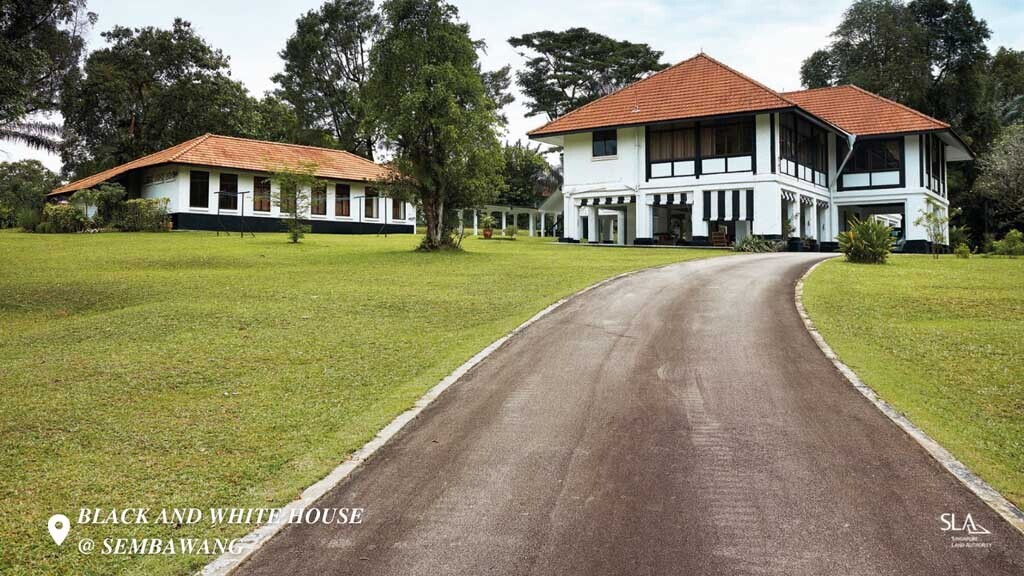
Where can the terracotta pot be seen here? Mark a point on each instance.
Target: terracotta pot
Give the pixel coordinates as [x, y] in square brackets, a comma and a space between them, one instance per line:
[488, 233]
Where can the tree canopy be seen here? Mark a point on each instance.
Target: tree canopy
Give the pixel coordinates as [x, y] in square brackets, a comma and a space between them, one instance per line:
[149, 89]
[40, 41]
[431, 104]
[23, 186]
[1000, 188]
[527, 175]
[326, 67]
[565, 70]
[927, 54]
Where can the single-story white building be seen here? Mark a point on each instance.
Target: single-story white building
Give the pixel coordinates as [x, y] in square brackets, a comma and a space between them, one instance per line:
[218, 182]
[700, 154]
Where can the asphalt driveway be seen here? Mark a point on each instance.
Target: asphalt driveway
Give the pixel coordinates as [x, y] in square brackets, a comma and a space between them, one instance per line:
[678, 421]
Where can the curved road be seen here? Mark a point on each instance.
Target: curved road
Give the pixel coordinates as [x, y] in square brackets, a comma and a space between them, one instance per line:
[678, 421]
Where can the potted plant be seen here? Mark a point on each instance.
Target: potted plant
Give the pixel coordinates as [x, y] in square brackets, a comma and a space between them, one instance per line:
[488, 223]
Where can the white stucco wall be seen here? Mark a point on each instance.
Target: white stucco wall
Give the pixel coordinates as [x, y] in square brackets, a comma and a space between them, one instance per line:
[178, 191]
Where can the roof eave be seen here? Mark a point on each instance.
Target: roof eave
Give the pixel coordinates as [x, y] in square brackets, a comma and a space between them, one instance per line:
[537, 134]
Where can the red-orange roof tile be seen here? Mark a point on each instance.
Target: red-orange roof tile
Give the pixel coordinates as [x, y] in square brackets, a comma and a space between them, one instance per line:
[694, 88]
[860, 112]
[244, 154]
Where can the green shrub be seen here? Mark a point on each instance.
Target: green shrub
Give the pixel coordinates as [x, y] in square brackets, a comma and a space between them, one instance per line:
[962, 251]
[866, 242]
[511, 231]
[142, 215]
[1011, 245]
[758, 244]
[63, 218]
[29, 219]
[960, 235]
[988, 243]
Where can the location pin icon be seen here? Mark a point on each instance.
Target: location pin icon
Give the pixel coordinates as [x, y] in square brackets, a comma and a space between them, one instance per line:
[59, 526]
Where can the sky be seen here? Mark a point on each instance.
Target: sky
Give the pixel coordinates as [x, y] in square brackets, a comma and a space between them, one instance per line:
[765, 39]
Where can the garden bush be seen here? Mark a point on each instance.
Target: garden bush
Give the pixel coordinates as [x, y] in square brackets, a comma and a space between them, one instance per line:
[29, 219]
[866, 242]
[962, 251]
[142, 215]
[62, 219]
[758, 244]
[1011, 245]
[511, 231]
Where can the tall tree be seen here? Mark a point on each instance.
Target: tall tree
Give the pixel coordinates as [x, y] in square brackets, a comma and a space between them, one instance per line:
[23, 186]
[40, 42]
[326, 66]
[149, 89]
[527, 175]
[1006, 81]
[927, 54]
[565, 70]
[429, 99]
[1000, 188]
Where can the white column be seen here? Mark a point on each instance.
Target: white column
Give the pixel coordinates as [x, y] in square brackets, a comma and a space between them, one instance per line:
[504, 221]
[542, 224]
[620, 228]
[697, 222]
[461, 219]
[812, 221]
[794, 217]
[476, 223]
[592, 225]
[530, 215]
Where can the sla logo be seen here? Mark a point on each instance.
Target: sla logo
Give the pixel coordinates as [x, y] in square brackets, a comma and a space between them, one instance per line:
[968, 525]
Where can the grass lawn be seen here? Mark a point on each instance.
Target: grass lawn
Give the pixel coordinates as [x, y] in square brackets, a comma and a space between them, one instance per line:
[187, 370]
[942, 341]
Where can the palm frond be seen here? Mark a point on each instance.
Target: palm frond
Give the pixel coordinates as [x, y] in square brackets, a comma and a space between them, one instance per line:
[38, 135]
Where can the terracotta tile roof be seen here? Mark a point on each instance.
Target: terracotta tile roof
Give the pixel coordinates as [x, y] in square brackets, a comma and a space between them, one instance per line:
[860, 112]
[694, 88]
[243, 154]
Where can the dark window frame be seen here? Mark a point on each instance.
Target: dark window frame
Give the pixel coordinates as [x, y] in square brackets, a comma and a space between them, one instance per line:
[228, 201]
[751, 140]
[288, 200]
[671, 130]
[370, 204]
[863, 154]
[342, 200]
[318, 200]
[604, 143]
[803, 143]
[204, 194]
[260, 194]
[397, 209]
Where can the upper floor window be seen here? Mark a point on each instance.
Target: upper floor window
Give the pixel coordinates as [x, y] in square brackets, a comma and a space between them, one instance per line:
[672, 150]
[199, 189]
[873, 164]
[935, 164]
[606, 143]
[803, 149]
[727, 146]
[342, 200]
[261, 194]
[734, 138]
[228, 198]
[370, 203]
[318, 200]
